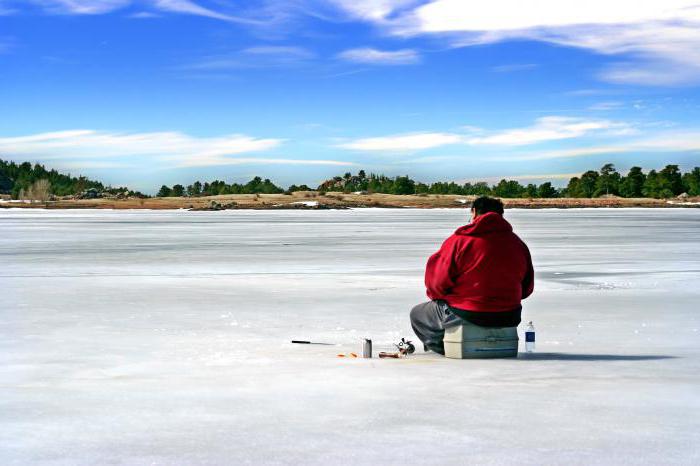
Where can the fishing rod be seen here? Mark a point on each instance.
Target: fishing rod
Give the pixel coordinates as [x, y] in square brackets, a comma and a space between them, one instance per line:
[404, 346]
[304, 342]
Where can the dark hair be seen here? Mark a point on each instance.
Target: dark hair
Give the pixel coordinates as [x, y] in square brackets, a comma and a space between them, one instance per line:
[485, 204]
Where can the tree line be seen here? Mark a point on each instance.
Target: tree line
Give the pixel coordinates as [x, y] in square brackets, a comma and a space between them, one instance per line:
[668, 182]
[25, 177]
[27, 181]
[665, 183]
[255, 186]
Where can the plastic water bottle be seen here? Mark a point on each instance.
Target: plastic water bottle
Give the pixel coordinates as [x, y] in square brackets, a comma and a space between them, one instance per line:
[530, 338]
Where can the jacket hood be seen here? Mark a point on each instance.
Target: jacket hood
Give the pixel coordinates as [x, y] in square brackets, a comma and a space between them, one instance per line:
[490, 222]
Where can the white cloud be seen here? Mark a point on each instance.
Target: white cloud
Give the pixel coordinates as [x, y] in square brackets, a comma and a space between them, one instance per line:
[256, 57]
[662, 38]
[522, 178]
[144, 15]
[658, 42]
[403, 142]
[298, 52]
[544, 129]
[368, 55]
[101, 149]
[550, 176]
[569, 153]
[668, 141]
[514, 15]
[373, 10]
[98, 7]
[5, 10]
[261, 161]
[660, 73]
[82, 7]
[592, 92]
[605, 106]
[5, 45]
[192, 8]
[344, 73]
[514, 67]
[678, 140]
[169, 148]
[549, 128]
[88, 165]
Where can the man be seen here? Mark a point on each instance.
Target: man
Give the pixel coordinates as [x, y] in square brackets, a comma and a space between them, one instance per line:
[480, 274]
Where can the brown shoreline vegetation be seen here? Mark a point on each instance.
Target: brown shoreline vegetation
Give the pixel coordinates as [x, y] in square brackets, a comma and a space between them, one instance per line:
[310, 200]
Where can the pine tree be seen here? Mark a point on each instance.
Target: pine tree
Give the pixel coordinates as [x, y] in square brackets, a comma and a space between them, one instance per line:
[508, 189]
[546, 190]
[691, 182]
[178, 191]
[608, 182]
[530, 191]
[164, 191]
[670, 181]
[632, 184]
[651, 185]
[587, 186]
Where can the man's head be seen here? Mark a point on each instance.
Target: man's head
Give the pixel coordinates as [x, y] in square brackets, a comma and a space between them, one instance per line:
[484, 204]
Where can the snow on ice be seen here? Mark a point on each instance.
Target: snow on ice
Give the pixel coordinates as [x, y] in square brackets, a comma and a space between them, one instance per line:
[162, 337]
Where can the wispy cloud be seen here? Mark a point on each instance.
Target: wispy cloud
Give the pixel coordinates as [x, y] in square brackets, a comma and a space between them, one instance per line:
[675, 140]
[544, 129]
[368, 55]
[514, 67]
[191, 8]
[144, 15]
[548, 176]
[89, 165]
[551, 128]
[402, 142]
[665, 142]
[6, 45]
[280, 53]
[374, 10]
[256, 57]
[344, 73]
[99, 7]
[593, 92]
[606, 106]
[263, 161]
[567, 153]
[167, 149]
[101, 149]
[523, 178]
[81, 7]
[659, 40]
[5, 9]
[658, 43]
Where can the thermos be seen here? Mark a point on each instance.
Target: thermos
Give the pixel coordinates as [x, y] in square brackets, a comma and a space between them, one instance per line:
[367, 348]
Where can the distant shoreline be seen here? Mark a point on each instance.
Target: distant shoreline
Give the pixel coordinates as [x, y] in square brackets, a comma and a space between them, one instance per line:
[337, 200]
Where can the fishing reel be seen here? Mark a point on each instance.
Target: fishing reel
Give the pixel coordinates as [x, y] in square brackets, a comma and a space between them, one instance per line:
[405, 347]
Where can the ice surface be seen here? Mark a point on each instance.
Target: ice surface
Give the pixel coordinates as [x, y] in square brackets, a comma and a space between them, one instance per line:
[162, 337]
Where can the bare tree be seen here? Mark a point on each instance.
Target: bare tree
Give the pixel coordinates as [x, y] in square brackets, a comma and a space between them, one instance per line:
[40, 190]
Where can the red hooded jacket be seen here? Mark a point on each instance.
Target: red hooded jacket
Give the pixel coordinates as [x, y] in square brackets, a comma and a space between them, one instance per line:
[482, 267]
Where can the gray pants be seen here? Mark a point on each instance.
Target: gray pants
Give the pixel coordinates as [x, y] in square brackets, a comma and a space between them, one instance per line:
[429, 321]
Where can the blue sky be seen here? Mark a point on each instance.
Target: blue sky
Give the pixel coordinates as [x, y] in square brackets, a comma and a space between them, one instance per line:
[146, 92]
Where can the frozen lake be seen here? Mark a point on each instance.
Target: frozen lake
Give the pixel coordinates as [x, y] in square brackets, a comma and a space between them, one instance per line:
[162, 337]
